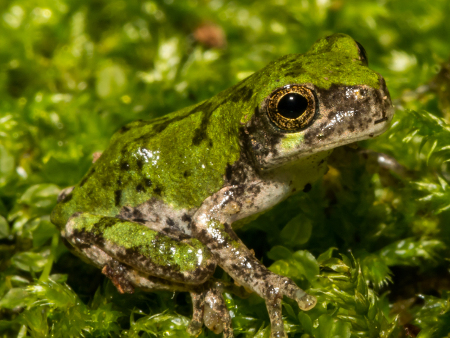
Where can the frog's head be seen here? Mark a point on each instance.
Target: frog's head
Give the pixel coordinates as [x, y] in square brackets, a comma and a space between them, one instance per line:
[315, 102]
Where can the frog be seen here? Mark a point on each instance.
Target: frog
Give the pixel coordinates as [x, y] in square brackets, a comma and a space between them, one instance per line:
[159, 208]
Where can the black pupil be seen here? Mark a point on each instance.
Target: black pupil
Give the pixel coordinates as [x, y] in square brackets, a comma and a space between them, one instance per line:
[292, 105]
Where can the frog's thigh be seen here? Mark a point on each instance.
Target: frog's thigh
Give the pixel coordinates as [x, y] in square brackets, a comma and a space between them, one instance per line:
[125, 277]
[183, 260]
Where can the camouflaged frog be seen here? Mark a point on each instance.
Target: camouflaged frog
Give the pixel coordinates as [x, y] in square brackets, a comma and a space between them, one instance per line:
[157, 209]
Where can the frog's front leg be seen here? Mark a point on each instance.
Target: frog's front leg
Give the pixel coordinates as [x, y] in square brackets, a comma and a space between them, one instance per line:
[212, 225]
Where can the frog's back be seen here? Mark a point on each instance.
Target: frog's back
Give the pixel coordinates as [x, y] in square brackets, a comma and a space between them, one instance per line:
[179, 159]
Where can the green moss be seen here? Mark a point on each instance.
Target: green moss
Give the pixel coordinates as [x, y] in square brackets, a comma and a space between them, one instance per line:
[73, 73]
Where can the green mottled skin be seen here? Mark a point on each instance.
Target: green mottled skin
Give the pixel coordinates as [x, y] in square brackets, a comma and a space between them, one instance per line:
[191, 148]
[148, 243]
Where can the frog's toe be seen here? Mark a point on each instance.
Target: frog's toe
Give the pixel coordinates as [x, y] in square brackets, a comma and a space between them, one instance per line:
[198, 304]
[276, 319]
[194, 328]
[216, 316]
[209, 308]
[115, 272]
[305, 301]
[289, 289]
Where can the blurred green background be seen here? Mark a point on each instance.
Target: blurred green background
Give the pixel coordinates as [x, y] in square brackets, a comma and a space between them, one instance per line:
[73, 72]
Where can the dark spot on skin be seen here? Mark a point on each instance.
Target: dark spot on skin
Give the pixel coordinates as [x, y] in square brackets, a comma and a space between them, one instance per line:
[140, 164]
[307, 187]
[148, 182]
[170, 222]
[291, 74]
[157, 191]
[164, 122]
[186, 218]
[105, 223]
[230, 232]
[173, 232]
[309, 138]
[255, 136]
[137, 215]
[200, 132]
[254, 189]
[67, 198]
[211, 266]
[238, 172]
[228, 172]
[124, 129]
[321, 161]
[239, 191]
[84, 180]
[207, 108]
[125, 209]
[371, 135]
[381, 120]
[117, 197]
[80, 245]
[143, 139]
[242, 94]
[124, 166]
[140, 188]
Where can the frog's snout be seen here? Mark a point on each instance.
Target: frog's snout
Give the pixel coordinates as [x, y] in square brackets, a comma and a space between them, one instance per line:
[384, 111]
[348, 114]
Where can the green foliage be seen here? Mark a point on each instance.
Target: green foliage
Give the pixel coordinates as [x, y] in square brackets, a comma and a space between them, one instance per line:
[73, 72]
[434, 316]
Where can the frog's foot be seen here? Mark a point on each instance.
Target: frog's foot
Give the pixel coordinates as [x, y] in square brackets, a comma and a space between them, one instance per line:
[210, 309]
[273, 290]
[305, 301]
[198, 304]
[116, 272]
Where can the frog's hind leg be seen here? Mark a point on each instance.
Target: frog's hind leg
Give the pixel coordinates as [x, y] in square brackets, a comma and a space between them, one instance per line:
[133, 254]
[100, 239]
[124, 277]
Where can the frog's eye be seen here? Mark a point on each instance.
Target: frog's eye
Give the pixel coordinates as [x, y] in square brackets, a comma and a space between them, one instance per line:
[291, 107]
[362, 54]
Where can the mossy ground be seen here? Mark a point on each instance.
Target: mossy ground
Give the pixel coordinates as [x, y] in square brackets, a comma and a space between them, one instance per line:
[372, 243]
